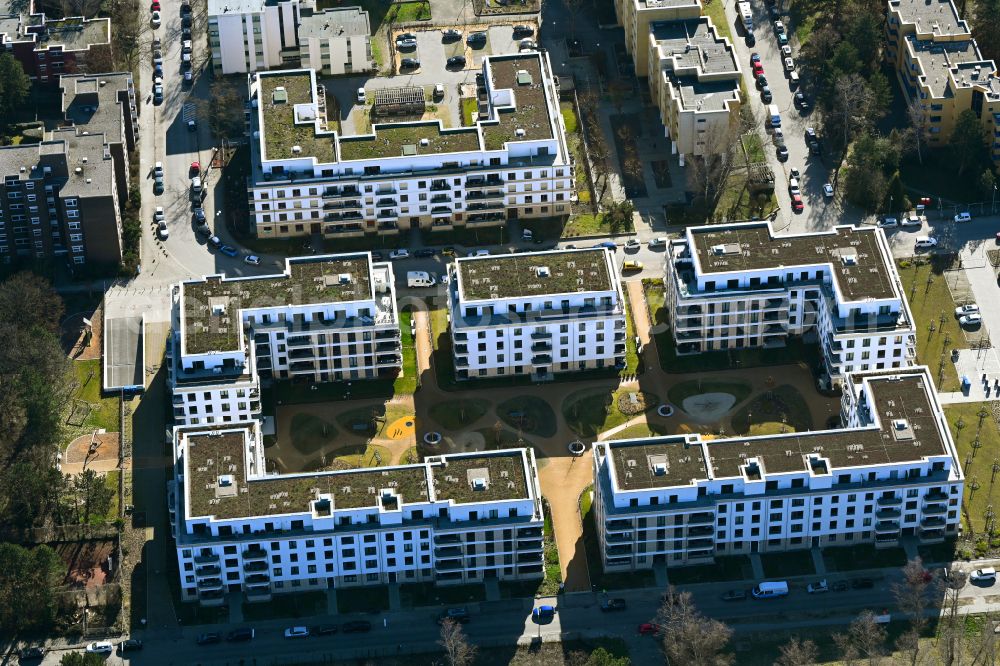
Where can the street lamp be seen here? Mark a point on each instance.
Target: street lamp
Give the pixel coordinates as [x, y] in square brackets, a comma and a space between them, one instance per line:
[993, 205]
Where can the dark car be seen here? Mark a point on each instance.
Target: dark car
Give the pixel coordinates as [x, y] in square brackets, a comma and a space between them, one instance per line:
[209, 638]
[31, 652]
[801, 101]
[609, 605]
[357, 627]
[523, 30]
[839, 586]
[761, 81]
[409, 63]
[199, 215]
[456, 61]
[765, 95]
[240, 635]
[476, 38]
[734, 595]
[186, 32]
[862, 583]
[377, 256]
[324, 629]
[130, 645]
[458, 614]
[229, 250]
[185, 9]
[186, 21]
[425, 252]
[750, 40]
[782, 153]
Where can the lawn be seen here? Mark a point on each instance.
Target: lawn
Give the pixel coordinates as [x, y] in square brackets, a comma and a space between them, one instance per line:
[575, 141]
[592, 546]
[553, 574]
[458, 413]
[104, 412]
[589, 412]
[311, 434]
[716, 10]
[379, 415]
[111, 481]
[296, 604]
[862, 556]
[631, 353]
[529, 414]
[931, 302]
[470, 109]
[408, 381]
[680, 392]
[737, 203]
[370, 455]
[429, 594]
[642, 430]
[980, 489]
[588, 224]
[791, 563]
[439, 326]
[366, 599]
[802, 17]
[784, 410]
[725, 569]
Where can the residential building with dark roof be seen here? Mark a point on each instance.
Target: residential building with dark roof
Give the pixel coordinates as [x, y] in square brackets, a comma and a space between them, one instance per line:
[536, 314]
[451, 519]
[890, 471]
[48, 48]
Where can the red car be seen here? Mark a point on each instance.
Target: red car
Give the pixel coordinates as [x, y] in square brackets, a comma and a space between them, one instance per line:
[758, 69]
[925, 201]
[195, 168]
[797, 204]
[155, 7]
[648, 629]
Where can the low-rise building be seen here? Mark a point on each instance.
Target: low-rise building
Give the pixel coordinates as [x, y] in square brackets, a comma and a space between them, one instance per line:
[325, 318]
[48, 48]
[735, 286]
[308, 178]
[536, 314]
[891, 471]
[457, 518]
[694, 79]
[335, 41]
[941, 70]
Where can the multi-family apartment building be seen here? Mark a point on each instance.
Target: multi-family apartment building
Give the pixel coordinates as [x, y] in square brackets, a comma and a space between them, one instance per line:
[104, 104]
[251, 35]
[457, 518]
[536, 314]
[741, 285]
[58, 199]
[635, 16]
[335, 41]
[890, 472]
[48, 48]
[324, 318]
[941, 70]
[694, 79]
[308, 178]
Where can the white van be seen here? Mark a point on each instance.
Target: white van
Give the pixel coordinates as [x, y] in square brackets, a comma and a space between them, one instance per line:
[773, 115]
[770, 590]
[420, 279]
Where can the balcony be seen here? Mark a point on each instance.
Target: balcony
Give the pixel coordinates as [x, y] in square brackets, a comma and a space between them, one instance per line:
[387, 214]
[209, 584]
[541, 347]
[700, 530]
[441, 198]
[341, 192]
[701, 543]
[447, 538]
[387, 202]
[935, 510]
[438, 211]
[477, 181]
[388, 359]
[887, 527]
[448, 552]
[889, 501]
[529, 545]
[935, 497]
[618, 525]
[541, 335]
[353, 204]
[206, 559]
[529, 532]
[450, 565]
[618, 538]
[258, 579]
[701, 518]
[256, 566]
[888, 514]
[933, 522]
[613, 551]
[439, 185]
[208, 571]
[541, 359]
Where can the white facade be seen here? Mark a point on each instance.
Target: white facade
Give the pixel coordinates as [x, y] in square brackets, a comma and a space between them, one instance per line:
[741, 285]
[251, 35]
[274, 327]
[536, 313]
[891, 472]
[336, 41]
[513, 163]
[455, 518]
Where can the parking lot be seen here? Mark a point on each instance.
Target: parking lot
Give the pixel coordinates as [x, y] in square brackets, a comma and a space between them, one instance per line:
[433, 49]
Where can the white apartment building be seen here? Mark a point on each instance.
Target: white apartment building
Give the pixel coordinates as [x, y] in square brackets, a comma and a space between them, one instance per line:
[250, 35]
[336, 41]
[694, 79]
[455, 518]
[307, 178]
[890, 472]
[536, 314]
[324, 318]
[635, 16]
[741, 285]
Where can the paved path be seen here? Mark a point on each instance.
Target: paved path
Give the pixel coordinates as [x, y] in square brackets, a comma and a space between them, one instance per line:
[562, 480]
[640, 313]
[425, 346]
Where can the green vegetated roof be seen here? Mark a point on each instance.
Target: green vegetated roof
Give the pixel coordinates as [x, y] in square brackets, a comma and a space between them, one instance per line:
[393, 140]
[523, 75]
[503, 474]
[280, 131]
[524, 275]
[211, 306]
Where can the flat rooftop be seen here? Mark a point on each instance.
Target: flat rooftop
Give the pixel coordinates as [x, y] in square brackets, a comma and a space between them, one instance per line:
[660, 4]
[217, 478]
[858, 265]
[75, 34]
[334, 22]
[529, 119]
[707, 95]
[277, 96]
[939, 17]
[904, 428]
[937, 59]
[212, 306]
[525, 275]
[694, 47]
[91, 102]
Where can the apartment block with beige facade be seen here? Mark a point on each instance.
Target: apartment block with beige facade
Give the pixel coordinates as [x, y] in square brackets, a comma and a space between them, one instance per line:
[940, 67]
[635, 16]
[694, 79]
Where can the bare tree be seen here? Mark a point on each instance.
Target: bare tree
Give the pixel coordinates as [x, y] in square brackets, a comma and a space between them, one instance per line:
[457, 648]
[707, 173]
[688, 637]
[223, 108]
[917, 133]
[984, 648]
[854, 102]
[84, 8]
[797, 652]
[911, 598]
[131, 35]
[864, 641]
[99, 58]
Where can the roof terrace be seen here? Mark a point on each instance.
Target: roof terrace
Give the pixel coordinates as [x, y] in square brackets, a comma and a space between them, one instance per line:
[534, 274]
[485, 477]
[286, 137]
[529, 119]
[937, 17]
[75, 34]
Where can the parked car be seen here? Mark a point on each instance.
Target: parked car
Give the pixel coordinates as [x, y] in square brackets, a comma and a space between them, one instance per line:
[734, 595]
[800, 102]
[544, 612]
[971, 320]
[765, 95]
[757, 68]
[241, 635]
[194, 169]
[158, 94]
[789, 64]
[155, 19]
[648, 629]
[967, 309]
[451, 35]
[520, 30]
[819, 587]
[761, 81]
[324, 629]
[528, 44]
[297, 632]
[157, 184]
[782, 153]
[252, 259]
[797, 205]
[406, 44]
[215, 241]
[409, 63]
[476, 38]
[888, 222]
[611, 605]
[158, 169]
[186, 46]
[828, 190]
[356, 627]
[158, 215]
[100, 647]
[425, 252]
[925, 242]
[631, 245]
[456, 61]
[839, 586]
[963, 217]
[199, 215]
[755, 58]
[793, 186]
[403, 36]
[229, 250]
[162, 232]
[457, 614]
[984, 575]
[399, 254]
[655, 243]
[911, 220]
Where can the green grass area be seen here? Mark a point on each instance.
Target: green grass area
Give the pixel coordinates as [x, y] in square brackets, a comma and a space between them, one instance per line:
[111, 481]
[589, 224]
[569, 117]
[439, 326]
[642, 430]
[680, 392]
[377, 54]
[930, 299]
[407, 382]
[470, 109]
[592, 546]
[369, 455]
[458, 413]
[802, 17]
[632, 360]
[791, 563]
[553, 574]
[754, 146]
[782, 409]
[716, 10]
[368, 599]
[404, 12]
[293, 605]
[311, 434]
[982, 486]
[589, 412]
[465, 236]
[376, 417]
[737, 202]
[385, 11]
[104, 412]
[725, 569]
[862, 556]
[529, 414]
[574, 140]
[429, 594]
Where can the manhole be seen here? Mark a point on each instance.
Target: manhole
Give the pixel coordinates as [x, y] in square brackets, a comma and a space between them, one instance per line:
[665, 410]
[576, 447]
[432, 438]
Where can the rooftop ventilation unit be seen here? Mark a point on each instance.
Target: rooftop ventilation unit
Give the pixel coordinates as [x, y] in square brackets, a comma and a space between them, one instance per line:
[900, 424]
[479, 483]
[543, 271]
[226, 480]
[345, 278]
[425, 142]
[279, 95]
[519, 132]
[660, 469]
[296, 150]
